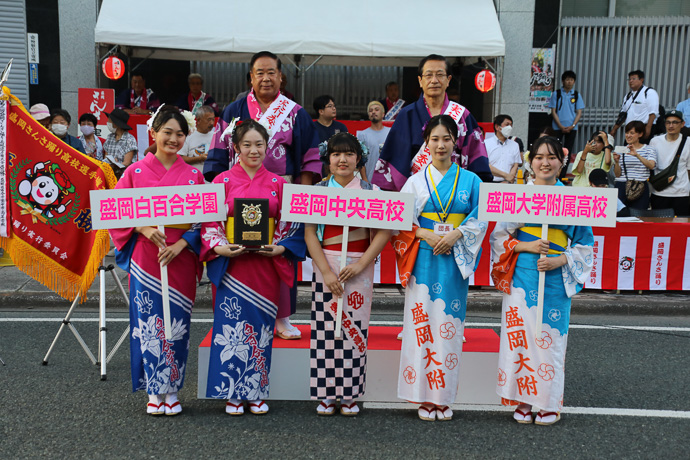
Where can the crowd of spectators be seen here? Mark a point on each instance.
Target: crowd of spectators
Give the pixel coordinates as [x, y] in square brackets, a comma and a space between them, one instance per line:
[654, 147]
[654, 138]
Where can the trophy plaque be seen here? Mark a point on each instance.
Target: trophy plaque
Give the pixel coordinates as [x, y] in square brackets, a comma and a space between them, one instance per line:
[251, 223]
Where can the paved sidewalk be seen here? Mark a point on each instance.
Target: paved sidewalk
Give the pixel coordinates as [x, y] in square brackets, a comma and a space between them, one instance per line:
[18, 290]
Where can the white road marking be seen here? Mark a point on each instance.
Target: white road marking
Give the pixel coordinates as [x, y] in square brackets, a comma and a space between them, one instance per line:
[373, 323]
[613, 411]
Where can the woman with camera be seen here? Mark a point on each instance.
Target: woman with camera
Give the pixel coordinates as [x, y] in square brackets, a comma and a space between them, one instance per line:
[632, 166]
[595, 155]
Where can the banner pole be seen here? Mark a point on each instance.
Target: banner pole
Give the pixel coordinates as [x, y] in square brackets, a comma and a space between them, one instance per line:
[165, 294]
[542, 282]
[343, 263]
[102, 330]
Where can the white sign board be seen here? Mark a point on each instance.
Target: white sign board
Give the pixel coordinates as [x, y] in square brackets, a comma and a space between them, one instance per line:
[548, 204]
[32, 48]
[347, 207]
[136, 207]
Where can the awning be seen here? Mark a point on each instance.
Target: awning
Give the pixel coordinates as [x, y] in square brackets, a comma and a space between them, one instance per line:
[357, 32]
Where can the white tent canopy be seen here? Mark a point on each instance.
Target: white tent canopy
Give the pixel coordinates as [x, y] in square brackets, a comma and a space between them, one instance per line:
[357, 32]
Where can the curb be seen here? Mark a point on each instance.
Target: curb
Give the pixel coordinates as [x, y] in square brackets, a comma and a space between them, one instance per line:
[391, 300]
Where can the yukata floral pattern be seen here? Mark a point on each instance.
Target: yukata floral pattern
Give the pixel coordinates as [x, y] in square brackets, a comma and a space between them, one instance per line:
[248, 291]
[158, 365]
[249, 379]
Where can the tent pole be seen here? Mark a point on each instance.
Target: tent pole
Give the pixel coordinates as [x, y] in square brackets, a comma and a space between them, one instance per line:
[500, 82]
[302, 70]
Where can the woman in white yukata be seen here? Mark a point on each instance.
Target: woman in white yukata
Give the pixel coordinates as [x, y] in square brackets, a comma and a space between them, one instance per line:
[338, 366]
[435, 261]
[530, 368]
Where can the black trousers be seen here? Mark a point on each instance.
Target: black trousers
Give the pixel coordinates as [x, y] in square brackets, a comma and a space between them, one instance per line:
[568, 141]
[680, 204]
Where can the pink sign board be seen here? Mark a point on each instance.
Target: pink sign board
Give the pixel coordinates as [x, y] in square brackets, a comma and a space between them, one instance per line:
[135, 207]
[346, 207]
[543, 204]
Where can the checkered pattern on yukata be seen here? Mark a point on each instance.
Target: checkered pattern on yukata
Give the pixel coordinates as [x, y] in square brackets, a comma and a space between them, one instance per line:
[330, 377]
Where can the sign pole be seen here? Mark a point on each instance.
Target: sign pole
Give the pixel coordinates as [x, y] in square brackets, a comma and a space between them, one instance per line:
[165, 291]
[542, 282]
[329, 205]
[343, 263]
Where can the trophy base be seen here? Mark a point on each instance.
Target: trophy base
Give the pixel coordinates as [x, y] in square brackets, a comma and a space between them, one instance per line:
[256, 249]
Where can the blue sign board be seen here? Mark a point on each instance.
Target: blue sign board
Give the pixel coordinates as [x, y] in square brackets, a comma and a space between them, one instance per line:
[33, 74]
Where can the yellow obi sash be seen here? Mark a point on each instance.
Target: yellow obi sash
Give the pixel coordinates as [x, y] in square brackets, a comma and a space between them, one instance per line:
[558, 240]
[230, 229]
[454, 219]
[180, 226]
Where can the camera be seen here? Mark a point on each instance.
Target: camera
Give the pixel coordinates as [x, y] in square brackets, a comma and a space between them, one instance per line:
[621, 118]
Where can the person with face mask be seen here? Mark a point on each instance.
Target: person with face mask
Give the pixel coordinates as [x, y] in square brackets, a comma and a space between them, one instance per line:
[91, 143]
[59, 124]
[120, 147]
[504, 153]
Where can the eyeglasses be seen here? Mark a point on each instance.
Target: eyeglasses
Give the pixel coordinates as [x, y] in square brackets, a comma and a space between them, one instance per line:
[330, 106]
[439, 75]
[673, 123]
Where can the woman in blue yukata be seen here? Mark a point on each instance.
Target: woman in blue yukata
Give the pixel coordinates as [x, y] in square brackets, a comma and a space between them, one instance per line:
[531, 368]
[435, 261]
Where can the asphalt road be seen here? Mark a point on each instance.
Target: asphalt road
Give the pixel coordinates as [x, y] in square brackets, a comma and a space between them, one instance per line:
[64, 409]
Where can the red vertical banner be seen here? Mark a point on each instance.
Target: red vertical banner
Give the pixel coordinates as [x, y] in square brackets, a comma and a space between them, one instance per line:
[48, 207]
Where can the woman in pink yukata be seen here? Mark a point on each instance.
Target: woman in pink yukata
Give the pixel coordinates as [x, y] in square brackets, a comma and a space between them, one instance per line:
[158, 365]
[247, 282]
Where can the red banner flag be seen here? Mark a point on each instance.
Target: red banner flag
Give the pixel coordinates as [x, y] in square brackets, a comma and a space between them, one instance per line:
[45, 214]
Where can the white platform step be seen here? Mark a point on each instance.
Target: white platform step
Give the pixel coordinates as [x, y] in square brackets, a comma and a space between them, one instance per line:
[290, 370]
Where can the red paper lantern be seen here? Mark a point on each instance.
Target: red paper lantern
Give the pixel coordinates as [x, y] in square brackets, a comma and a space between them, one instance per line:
[113, 67]
[485, 81]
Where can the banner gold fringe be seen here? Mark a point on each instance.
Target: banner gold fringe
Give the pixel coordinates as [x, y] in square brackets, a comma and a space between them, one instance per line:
[54, 276]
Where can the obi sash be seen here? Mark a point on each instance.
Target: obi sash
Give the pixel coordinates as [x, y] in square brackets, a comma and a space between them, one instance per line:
[335, 233]
[558, 240]
[427, 219]
[230, 230]
[180, 226]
